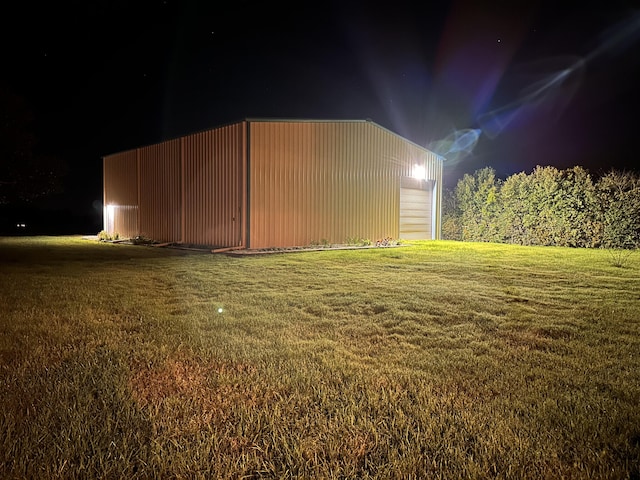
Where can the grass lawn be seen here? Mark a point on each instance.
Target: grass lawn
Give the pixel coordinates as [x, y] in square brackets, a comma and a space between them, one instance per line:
[440, 360]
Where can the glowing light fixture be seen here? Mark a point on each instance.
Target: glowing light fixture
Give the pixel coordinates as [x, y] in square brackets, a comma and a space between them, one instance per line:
[220, 310]
[109, 218]
[419, 172]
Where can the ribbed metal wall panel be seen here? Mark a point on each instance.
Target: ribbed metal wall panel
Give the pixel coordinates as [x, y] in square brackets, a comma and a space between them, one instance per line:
[160, 196]
[213, 186]
[121, 194]
[306, 181]
[313, 181]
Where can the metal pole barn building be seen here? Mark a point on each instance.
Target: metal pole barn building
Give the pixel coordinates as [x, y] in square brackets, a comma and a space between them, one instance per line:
[275, 183]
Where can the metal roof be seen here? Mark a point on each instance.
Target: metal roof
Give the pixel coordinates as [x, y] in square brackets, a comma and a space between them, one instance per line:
[275, 119]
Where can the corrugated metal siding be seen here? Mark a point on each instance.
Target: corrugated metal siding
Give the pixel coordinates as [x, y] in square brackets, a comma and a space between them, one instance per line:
[160, 196]
[121, 194]
[213, 186]
[307, 181]
[311, 181]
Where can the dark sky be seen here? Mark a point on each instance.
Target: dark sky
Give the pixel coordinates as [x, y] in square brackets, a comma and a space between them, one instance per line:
[542, 83]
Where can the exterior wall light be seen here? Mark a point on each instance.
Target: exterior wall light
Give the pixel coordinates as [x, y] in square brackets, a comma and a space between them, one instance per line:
[109, 218]
[418, 172]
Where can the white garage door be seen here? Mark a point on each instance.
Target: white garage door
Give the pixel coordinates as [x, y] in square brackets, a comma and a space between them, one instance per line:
[415, 214]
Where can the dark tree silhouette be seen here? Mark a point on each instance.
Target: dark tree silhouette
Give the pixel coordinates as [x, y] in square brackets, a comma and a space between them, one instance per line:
[25, 175]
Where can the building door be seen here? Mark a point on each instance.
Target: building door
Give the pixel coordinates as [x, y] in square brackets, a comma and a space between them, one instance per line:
[415, 210]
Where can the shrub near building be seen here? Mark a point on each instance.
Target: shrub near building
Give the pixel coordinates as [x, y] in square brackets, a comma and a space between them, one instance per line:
[619, 201]
[547, 207]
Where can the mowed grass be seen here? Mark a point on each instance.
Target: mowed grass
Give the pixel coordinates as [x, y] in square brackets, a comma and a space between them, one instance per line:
[438, 360]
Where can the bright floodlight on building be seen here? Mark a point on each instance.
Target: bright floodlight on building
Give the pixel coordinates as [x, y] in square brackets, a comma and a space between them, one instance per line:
[418, 172]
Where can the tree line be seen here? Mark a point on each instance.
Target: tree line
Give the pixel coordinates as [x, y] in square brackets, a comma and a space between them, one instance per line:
[546, 207]
[26, 174]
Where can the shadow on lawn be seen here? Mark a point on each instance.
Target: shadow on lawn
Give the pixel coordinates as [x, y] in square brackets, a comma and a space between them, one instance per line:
[44, 250]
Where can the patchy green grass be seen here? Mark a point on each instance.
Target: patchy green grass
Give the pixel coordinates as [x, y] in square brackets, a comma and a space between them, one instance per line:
[441, 360]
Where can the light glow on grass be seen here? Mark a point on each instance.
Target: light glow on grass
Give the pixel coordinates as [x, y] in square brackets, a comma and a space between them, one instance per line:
[445, 359]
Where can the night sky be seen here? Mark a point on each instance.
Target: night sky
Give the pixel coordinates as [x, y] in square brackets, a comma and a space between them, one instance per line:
[537, 83]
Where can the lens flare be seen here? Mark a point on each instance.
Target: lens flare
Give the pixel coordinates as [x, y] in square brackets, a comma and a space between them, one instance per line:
[541, 90]
[618, 38]
[549, 86]
[555, 81]
[457, 145]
